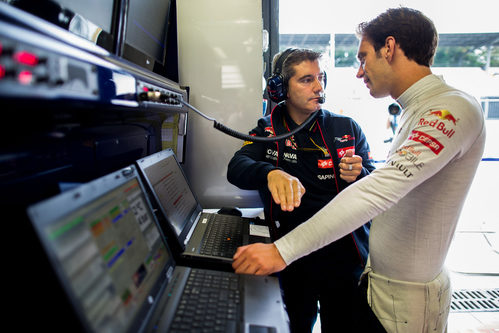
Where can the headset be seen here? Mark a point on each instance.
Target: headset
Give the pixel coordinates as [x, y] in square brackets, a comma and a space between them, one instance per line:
[277, 93]
[276, 85]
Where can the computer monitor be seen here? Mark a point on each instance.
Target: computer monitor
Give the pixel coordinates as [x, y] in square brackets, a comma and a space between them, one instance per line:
[105, 246]
[94, 20]
[146, 34]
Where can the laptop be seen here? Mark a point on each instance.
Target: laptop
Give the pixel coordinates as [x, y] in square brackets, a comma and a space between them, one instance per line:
[196, 232]
[120, 276]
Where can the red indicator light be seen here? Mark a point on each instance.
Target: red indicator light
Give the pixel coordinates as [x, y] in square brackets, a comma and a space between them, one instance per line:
[25, 77]
[2, 71]
[145, 89]
[26, 58]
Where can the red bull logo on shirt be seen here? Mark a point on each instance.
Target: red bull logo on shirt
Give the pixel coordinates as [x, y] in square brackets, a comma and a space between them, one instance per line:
[344, 138]
[444, 115]
[438, 124]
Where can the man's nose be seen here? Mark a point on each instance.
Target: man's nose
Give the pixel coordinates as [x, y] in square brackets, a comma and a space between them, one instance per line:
[360, 72]
[319, 84]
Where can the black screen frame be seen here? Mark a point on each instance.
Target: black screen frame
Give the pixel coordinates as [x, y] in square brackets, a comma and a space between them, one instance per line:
[53, 12]
[164, 220]
[149, 62]
[56, 208]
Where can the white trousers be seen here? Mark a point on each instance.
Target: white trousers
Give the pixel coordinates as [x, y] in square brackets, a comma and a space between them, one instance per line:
[407, 307]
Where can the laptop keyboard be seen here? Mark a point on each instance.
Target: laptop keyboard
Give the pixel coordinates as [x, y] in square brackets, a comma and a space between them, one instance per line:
[223, 237]
[209, 303]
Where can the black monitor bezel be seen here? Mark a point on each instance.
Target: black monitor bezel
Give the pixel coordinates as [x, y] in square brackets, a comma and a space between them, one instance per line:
[141, 58]
[107, 40]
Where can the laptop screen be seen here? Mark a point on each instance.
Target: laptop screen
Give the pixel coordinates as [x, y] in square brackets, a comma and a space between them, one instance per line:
[171, 189]
[106, 248]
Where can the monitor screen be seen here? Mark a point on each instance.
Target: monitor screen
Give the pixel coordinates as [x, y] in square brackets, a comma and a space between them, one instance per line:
[170, 188]
[94, 20]
[104, 243]
[145, 42]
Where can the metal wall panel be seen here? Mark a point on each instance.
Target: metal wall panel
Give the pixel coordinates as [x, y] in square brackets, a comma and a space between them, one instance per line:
[220, 59]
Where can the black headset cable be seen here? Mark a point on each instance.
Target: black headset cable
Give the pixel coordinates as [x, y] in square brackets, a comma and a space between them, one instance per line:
[221, 127]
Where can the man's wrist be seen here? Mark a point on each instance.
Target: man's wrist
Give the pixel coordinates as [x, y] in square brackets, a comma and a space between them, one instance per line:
[270, 171]
[280, 247]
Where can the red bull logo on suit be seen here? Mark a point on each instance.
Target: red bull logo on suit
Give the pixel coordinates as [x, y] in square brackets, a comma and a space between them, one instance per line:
[443, 115]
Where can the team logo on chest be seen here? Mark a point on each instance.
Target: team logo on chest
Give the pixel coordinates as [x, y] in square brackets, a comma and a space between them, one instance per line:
[269, 131]
[291, 143]
[344, 138]
[325, 164]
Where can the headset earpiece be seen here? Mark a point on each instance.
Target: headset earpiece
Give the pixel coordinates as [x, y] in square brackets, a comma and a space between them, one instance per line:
[276, 87]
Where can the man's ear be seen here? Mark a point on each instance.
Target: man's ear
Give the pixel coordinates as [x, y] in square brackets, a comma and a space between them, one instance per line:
[389, 50]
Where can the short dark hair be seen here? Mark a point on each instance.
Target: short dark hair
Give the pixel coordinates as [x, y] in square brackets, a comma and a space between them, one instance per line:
[295, 57]
[413, 31]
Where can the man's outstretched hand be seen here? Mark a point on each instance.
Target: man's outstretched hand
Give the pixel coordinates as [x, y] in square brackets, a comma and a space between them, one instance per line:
[286, 190]
[258, 259]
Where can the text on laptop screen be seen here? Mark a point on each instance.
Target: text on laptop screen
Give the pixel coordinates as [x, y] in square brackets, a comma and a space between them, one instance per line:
[112, 253]
[172, 190]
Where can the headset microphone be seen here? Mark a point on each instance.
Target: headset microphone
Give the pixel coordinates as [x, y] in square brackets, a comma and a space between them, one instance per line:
[321, 100]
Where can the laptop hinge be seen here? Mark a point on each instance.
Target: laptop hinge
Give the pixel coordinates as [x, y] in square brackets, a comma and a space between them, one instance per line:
[169, 273]
[192, 228]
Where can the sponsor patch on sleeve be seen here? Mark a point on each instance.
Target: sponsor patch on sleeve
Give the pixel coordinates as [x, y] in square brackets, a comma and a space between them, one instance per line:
[427, 140]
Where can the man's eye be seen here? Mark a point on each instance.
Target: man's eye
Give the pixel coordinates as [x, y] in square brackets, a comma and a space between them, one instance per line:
[359, 63]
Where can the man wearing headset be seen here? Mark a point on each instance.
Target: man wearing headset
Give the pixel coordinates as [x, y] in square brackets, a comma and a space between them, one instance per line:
[415, 198]
[296, 177]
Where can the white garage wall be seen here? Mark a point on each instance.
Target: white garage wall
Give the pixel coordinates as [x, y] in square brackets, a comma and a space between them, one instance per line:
[220, 59]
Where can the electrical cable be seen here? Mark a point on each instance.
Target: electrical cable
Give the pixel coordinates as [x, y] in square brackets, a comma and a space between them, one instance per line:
[221, 127]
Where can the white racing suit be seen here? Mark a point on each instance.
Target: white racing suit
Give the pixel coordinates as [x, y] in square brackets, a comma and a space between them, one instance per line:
[414, 199]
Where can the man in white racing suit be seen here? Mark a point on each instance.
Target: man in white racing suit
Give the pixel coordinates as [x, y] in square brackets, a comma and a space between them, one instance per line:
[414, 199]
